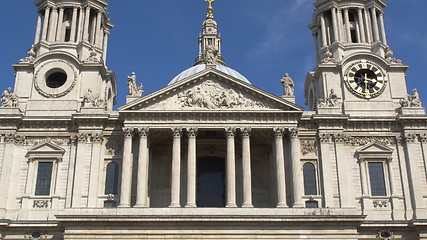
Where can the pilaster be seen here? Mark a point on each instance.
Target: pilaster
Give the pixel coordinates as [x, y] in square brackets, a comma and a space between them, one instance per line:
[127, 166]
[97, 139]
[325, 141]
[298, 188]
[79, 169]
[345, 173]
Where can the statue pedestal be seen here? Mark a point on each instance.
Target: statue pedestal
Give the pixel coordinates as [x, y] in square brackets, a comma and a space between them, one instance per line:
[289, 98]
[412, 111]
[10, 111]
[92, 110]
[329, 110]
[130, 98]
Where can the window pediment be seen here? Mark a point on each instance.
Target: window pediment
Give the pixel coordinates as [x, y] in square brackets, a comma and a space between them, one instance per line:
[374, 150]
[46, 150]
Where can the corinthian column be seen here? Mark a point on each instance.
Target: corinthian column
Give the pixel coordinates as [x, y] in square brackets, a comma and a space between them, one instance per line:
[126, 184]
[46, 23]
[280, 169]
[231, 168]
[246, 158]
[176, 168]
[143, 162]
[191, 165]
[296, 168]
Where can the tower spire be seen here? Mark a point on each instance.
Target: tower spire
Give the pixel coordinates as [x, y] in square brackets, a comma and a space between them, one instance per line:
[210, 9]
[210, 40]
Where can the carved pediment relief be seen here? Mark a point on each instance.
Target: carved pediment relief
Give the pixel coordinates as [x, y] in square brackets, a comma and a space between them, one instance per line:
[210, 94]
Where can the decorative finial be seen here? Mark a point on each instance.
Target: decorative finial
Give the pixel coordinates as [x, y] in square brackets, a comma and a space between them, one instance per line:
[210, 9]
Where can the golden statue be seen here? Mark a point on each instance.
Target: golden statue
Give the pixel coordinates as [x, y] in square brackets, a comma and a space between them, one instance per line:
[210, 9]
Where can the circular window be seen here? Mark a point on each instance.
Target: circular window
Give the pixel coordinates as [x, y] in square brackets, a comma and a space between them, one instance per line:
[36, 235]
[56, 78]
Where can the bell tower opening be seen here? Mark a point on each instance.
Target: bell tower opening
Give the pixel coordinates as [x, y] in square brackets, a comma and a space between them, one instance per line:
[210, 182]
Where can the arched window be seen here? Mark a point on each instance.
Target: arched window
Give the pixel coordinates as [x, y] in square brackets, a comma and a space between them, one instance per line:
[112, 178]
[310, 185]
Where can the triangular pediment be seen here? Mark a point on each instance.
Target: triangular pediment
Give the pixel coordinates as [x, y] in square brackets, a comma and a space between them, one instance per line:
[46, 150]
[374, 150]
[211, 90]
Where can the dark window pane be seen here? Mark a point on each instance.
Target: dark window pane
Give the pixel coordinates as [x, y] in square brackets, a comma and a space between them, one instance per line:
[44, 179]
[210, 182]
[310, 186]
[112, 178]
[376, 176]
[311, 204]
[110, 204]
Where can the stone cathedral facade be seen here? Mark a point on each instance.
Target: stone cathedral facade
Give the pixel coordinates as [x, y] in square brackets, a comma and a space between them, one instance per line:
[210, 156]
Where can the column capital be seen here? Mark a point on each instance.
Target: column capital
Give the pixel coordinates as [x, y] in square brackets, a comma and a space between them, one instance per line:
[278, 132]
[143, 132]
[82, 137]
[410, 137]
[97, 137]
[128, 132]
[246, 132]
[192, 132]
[177, 132]
[325, 137]
[230, 132]
[339, 137]
[293, 132]
[423, 138]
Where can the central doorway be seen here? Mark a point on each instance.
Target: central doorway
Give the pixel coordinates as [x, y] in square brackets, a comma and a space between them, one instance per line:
[210, 182]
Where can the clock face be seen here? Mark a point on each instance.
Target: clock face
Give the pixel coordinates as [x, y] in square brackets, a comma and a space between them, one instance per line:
[365, 79]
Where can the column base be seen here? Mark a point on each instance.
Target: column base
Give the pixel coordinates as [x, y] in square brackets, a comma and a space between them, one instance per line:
[174, 205]
[247, 205]
[191, 205]
[140, 205]
[231, 205]
[124, 205]
[282, 205]
[298, 205]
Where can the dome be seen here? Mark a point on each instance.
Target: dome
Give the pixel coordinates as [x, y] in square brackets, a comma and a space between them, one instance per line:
[201, 67]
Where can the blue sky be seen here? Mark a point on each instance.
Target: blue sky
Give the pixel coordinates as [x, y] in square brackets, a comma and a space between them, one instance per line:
[262, 39]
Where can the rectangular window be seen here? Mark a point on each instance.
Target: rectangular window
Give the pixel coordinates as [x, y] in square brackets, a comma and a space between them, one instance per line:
[44, 178]
[377, 179]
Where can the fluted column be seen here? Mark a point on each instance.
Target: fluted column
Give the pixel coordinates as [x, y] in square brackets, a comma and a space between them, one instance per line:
[73, 25]
[383, 33]
[231, 167]
[6, 175]
[59, 26]
[347, 25]
[53, 25]
[38, 28]
[78, 170]
[97, 139]
[98, 36]
[247, 176]
[335, 24]
[176, 168]
[143, 163]
[296, 168]
[191, 168]
[105, 47]
[367, 24]
[280, 169]
[46, 23]
[361, 25]
[375, 24]
[340, 25]
[326, 170]
[323, 30]
[80, 25]
[86, 25]
[126, 184]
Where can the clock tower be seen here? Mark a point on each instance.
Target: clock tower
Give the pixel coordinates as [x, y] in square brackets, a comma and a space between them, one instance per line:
[65, 69]
[356, 73]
